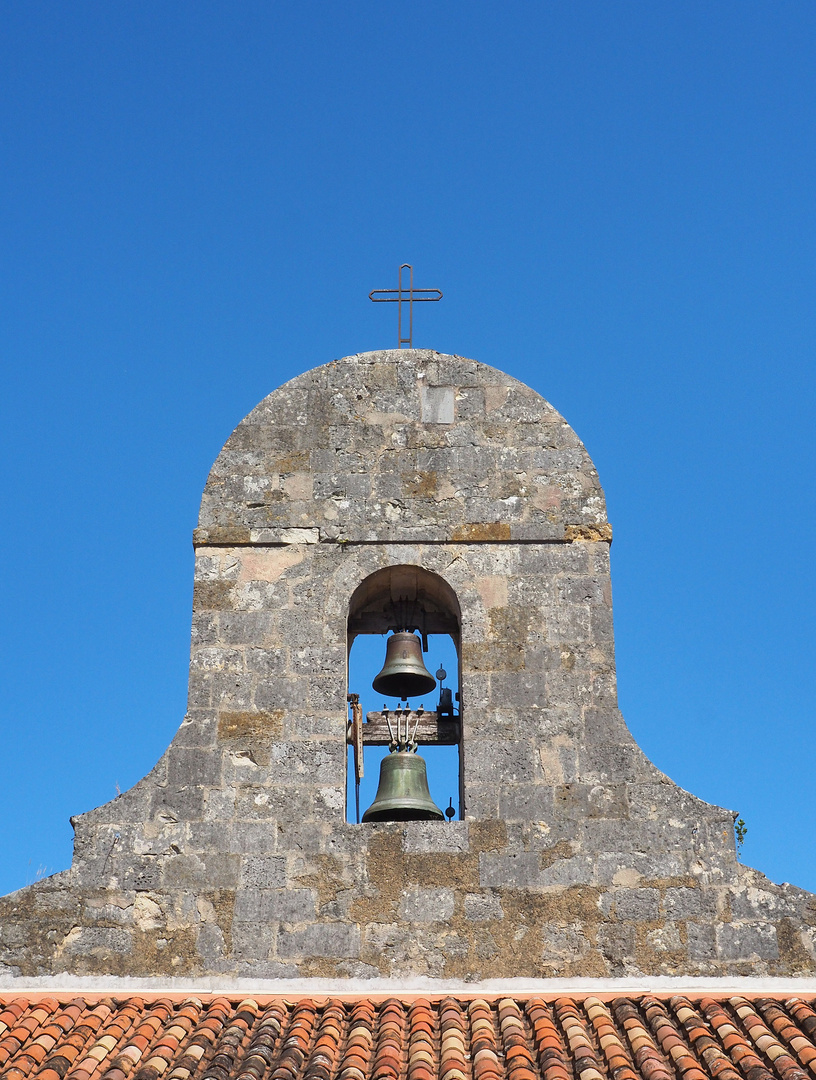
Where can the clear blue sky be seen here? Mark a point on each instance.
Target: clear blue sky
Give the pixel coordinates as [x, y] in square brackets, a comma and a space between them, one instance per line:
[618, 202]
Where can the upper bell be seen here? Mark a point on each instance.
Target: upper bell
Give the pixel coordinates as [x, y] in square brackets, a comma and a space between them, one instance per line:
[404, 675]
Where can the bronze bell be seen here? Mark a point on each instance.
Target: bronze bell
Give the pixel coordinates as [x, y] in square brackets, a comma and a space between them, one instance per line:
[402, 793]
[404, 675]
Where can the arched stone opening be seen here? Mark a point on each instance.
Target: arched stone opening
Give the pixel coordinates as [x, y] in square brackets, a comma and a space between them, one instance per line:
[371, 608]
[406, 597]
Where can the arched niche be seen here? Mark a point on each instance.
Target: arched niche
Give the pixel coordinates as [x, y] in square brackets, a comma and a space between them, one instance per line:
[410, 597]
[374, 602]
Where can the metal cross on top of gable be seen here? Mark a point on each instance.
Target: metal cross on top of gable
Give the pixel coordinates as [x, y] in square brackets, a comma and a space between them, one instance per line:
[403, 295]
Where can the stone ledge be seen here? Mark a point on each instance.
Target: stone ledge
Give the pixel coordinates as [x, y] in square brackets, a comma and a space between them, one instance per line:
[404, 988]
[475, 534]
[588, 533]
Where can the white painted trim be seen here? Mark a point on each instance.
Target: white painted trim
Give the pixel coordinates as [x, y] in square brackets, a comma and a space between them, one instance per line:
[410, 987]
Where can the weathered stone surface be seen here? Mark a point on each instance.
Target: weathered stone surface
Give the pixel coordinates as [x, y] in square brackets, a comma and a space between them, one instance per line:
[426, 905]
[576, 856]
[329, 940]
[482, 907]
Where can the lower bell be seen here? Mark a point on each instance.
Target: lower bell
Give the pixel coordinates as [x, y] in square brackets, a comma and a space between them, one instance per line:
[402, 794]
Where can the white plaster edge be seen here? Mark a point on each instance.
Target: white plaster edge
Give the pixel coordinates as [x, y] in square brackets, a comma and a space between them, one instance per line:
[78, 985]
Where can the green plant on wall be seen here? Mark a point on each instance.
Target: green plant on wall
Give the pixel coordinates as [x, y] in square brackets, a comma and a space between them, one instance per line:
[740, 829]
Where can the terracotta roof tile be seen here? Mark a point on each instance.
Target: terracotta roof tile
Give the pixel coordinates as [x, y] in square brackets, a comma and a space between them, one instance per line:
[570, 1038]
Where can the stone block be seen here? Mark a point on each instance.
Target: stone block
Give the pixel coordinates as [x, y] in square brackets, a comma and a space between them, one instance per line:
[654, 799]
[144, 874]
[249, 726]
[334, 940]
[579, 870]
[303, 837]
[578, 801]
[327, 694]
[702, 941]
[482, 907]
[437, 404]
[277, 693]
[97, 940]
[213, 870]
[193, 768]
[274, 905]
[242, 762]
[219, 805]
[329, 803]
[637, 904]
[311, 660]
[666, 938]
[264, 596]
[612, 763]
[751, 903]
[259, 801]
[426, 905]
[500, 763]
[481, 796]
[267, 663]
[203, 836]
[580, 590]
[684, 903]
[548, 560]
[253, 941]
[476, 692]
[435, 837]
[470, 402]
[737, 941]
[601, 625]
[521, 870]
[604, 726]
[331, 724]
[252, 837]
[290, 905]
[308, 763]
[216, 658]
[181, 802]
[244, 627]
[197, 730]
[526, 689]
[630, 867]
[210, 946]
[563, 945]
[199, 691]
[615, 834]
[617, 944]
[526, 802]
[263, 871]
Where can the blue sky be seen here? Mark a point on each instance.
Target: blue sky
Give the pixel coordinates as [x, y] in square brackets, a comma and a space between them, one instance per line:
[617, 201]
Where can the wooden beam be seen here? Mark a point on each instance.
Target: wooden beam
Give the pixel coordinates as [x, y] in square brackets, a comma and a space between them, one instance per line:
[431, 731]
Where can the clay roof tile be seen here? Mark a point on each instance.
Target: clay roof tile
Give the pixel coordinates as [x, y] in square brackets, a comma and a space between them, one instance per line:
[645, 1038]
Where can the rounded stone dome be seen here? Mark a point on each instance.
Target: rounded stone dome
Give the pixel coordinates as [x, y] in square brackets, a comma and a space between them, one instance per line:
[404, 444]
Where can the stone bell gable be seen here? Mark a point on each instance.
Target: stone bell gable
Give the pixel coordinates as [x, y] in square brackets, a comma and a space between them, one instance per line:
[432, 479]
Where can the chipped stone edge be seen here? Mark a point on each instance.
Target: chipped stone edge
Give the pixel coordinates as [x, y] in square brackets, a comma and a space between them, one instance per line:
[405, 989]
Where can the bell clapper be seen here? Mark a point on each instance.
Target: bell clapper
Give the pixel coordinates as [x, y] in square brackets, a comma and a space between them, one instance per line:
[394, 742]
[413, 743]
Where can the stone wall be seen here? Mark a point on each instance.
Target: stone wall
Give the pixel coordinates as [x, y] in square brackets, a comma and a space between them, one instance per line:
[575, 856]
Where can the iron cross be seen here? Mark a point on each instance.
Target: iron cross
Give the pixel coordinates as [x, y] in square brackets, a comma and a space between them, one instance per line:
[401, 296]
